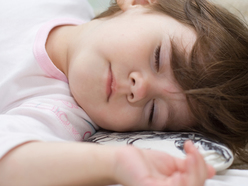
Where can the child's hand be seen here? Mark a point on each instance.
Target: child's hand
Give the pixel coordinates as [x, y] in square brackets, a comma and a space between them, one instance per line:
[152, 168]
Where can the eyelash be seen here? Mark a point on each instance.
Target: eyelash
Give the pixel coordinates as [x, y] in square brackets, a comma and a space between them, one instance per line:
[157, 58]
[151, 113]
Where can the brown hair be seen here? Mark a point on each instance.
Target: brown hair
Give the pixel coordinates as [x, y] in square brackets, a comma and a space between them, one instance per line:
[215, 78]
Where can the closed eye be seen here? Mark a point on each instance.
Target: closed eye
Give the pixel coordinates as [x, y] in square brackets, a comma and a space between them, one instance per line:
[157, 58]
[151, 113]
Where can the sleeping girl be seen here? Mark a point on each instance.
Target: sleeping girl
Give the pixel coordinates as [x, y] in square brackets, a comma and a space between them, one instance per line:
[163, 65]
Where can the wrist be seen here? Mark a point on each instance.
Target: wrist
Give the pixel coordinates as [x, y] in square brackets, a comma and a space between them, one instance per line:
[106, 159]
[122, 164]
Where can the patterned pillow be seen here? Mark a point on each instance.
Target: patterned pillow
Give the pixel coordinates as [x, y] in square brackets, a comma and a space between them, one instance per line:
[214, 153]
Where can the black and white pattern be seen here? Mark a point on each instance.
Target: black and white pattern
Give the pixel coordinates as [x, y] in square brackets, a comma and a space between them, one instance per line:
[216, 154]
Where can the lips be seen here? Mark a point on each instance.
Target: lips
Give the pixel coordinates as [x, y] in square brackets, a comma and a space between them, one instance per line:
[110, 83]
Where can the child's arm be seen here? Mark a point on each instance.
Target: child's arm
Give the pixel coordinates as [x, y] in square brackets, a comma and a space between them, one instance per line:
[40, 163]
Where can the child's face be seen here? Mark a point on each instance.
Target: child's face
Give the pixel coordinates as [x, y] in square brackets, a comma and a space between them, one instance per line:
[115, 77]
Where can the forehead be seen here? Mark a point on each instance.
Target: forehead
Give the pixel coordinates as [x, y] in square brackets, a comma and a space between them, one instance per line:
[160, 23]
[181, 34]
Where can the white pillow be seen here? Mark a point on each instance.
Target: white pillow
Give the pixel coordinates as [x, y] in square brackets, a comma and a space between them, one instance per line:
[214, 153]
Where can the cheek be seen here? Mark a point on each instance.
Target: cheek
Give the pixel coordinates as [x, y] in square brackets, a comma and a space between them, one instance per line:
[125, 46]
[77, 85]
[116, 119]
[82, 91]
[184, 118]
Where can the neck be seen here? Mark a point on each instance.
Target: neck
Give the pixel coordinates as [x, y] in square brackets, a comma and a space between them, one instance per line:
[63, 41]
[57, 46]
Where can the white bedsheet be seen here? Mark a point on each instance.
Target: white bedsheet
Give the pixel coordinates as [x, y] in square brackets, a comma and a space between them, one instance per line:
[230, 177]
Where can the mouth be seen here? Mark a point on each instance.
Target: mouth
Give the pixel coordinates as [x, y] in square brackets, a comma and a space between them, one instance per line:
[110, 83]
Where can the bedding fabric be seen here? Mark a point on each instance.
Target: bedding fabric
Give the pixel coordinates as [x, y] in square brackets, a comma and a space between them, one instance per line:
[227, 178]
[36, 103]
[231, 177]
[214, 153]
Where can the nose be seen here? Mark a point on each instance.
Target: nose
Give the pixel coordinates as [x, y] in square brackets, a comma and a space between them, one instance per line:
[138, 87]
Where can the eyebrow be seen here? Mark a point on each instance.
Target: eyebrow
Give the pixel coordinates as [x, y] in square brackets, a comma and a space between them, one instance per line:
[177, 56]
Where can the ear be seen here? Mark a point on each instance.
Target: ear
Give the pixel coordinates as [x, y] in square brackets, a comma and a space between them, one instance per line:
[127, 4]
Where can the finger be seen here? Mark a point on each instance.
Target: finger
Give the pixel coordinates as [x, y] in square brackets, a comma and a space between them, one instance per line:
[192, 177]
[197, 167]
[200, 164]
[191, 171]
[177, 165]
[210, 171]
[189, 147]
